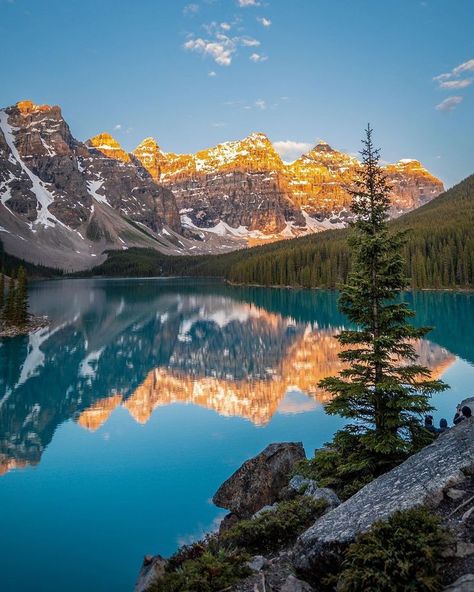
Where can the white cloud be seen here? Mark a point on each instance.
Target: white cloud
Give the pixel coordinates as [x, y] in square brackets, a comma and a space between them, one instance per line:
[464, 67]
[221, 51]
[264, 21]
[190, 9]
[261, 104]
[290, 150]
[456, 84]
[450, 80]
[118, 126]
[257, 57]
[212, 74]
[226, 26]
[244, 3]
[249, 42]
[449, 104]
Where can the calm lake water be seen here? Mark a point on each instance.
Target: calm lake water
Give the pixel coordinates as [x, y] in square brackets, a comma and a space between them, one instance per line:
[120, 420]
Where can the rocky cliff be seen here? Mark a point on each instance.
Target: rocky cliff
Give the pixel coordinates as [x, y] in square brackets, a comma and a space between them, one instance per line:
[246, 185]
[63, 202]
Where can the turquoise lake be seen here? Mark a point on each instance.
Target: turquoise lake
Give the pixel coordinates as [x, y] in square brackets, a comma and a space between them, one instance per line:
[120, 420]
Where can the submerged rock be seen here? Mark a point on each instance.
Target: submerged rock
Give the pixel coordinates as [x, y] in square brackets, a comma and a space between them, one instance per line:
[258, 481]
[420, 480]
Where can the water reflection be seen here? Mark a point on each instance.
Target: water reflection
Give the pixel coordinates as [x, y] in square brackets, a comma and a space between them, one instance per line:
[145, 344]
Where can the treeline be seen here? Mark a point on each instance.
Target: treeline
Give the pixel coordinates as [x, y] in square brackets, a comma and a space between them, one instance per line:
[14, 298]
[439, 251]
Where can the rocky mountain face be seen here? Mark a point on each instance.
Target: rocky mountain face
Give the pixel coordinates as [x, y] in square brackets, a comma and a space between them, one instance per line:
[63, 202]
[246, 184]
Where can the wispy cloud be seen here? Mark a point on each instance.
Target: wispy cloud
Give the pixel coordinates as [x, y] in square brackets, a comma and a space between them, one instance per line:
[261, 104]
[244, 3]
[290, 150]
[250, 42]
[449, 104]
[257, 57]
[211, 74]
[226, 26]
[264, 21]
[456, 84]
[218, 124]
[190, 9]
[464, 67]
[118, 126]
[454, 76]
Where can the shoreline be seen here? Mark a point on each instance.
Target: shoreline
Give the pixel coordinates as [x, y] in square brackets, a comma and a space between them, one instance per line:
[34, 323]
[460, 290]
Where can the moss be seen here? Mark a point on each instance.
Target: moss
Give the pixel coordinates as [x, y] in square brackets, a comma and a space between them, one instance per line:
[401, 554]
[212, 571]
[274, 530]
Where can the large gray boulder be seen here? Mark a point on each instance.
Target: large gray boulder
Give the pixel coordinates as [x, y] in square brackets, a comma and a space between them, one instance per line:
[420, 480]
[258, 481]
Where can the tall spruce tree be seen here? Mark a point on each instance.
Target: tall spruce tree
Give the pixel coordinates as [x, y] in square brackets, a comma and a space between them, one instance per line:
[383, 391]
[9, 308]
[21, 299]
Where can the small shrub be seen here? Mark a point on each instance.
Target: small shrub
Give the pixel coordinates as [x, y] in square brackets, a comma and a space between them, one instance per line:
[343, 465]
[210, 572]
[273, 530]
[401, 554]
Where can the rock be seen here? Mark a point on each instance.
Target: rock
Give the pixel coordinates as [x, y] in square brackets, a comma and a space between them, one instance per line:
[259, 480]
[265, 510]
[228, 522]
[464, 549]
[293, 584]
[310, 488]
[257, 563]
[420, 480]
[276, 575]
[152, 569]
[463, 584]
[455, 494]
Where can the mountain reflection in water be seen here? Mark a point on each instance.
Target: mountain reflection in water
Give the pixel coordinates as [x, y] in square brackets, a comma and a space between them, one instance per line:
[144, 344]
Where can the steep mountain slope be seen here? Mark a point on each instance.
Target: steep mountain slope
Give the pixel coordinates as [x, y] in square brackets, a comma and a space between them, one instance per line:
[246, 184]
[64, 203]
[439, 252]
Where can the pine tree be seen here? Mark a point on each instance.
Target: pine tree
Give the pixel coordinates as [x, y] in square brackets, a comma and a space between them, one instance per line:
[382, 391]
[9, 309]
[2, 289]
[21, 299]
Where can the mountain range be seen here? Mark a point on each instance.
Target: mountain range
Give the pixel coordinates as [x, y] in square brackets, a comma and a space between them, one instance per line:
[64, 203]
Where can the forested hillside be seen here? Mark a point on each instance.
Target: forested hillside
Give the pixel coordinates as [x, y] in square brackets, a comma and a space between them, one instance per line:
[439, 251]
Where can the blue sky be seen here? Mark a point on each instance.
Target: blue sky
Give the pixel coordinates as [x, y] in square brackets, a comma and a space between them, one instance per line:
[298, 70]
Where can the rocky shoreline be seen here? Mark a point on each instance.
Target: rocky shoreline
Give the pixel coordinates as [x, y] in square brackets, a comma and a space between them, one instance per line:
[439, 478]
[34, 323]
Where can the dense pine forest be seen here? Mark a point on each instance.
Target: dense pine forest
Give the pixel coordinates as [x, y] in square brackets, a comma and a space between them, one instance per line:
[439, 251]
